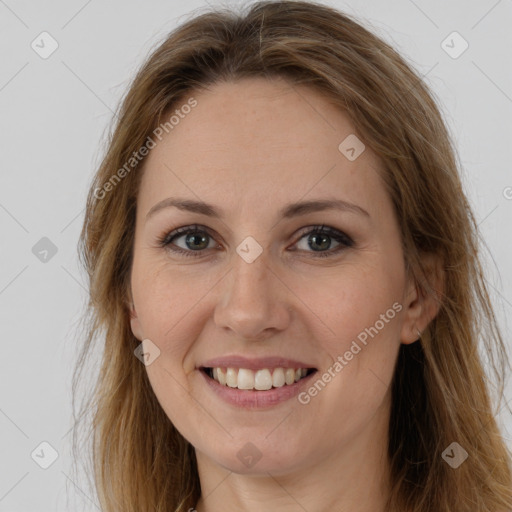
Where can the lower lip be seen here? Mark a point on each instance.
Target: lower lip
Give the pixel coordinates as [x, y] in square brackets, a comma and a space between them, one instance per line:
[252, 399]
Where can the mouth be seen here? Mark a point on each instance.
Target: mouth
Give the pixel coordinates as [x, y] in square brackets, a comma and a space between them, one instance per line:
[263, 379]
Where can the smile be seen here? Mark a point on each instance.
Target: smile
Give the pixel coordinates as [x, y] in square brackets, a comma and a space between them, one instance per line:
[257, 389]
[260, 380]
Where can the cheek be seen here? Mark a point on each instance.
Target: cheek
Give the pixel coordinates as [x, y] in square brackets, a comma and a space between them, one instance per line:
[362, 313]
[166, 302]
[353, 304]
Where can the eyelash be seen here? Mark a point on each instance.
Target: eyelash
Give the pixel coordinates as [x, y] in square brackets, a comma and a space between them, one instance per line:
[344, 240]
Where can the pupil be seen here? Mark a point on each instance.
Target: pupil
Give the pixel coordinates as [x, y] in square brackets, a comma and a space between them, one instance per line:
[198, 239]
[324, 238]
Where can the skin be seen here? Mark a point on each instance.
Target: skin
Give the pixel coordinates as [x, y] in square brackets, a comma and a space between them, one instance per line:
[249, 148]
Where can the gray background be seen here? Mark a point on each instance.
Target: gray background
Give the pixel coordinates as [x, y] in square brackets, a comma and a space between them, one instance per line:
[54, 114]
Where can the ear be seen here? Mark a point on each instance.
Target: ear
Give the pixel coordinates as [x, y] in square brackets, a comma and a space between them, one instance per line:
[422, 300]
[134, 319]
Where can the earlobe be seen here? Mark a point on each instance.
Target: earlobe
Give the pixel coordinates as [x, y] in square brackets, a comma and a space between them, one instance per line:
[134, 319]
[412, 315]
[135, 322]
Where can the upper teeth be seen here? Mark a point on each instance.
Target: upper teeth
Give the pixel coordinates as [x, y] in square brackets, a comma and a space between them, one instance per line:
[263, 379]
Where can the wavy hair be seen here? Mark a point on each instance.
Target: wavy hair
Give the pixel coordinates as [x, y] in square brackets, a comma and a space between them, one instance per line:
[440, 391]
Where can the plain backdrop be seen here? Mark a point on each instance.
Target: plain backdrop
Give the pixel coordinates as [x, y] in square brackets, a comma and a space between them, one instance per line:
[54, 114]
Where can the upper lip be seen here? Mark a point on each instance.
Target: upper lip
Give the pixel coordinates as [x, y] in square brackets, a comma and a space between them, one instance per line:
[257, 363]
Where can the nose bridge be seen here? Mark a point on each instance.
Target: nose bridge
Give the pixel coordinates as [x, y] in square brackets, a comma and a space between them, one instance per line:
[251, 300]
[250, 284]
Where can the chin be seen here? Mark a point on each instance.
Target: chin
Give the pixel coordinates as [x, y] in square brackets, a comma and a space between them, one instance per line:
[258, 457]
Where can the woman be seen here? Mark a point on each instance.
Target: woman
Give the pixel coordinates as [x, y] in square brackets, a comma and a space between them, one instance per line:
[285, 268]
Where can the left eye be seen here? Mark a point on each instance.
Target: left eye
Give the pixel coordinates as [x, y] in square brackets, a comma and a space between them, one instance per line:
[197, 238]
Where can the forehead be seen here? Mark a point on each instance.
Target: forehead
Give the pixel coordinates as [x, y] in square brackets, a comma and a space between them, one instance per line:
[255, 139]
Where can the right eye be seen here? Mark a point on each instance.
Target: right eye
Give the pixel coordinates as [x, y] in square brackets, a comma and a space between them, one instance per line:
[196, 238]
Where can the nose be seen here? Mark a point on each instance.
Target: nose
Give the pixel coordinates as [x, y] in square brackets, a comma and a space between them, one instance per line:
[254, 301]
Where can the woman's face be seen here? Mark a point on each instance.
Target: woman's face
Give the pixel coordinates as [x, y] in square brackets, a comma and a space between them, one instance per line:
[252, 288]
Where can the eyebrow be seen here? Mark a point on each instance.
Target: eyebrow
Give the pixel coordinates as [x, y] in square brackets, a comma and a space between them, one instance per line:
[289, 211]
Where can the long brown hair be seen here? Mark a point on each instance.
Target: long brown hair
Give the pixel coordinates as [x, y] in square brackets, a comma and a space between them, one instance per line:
[440, 392]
